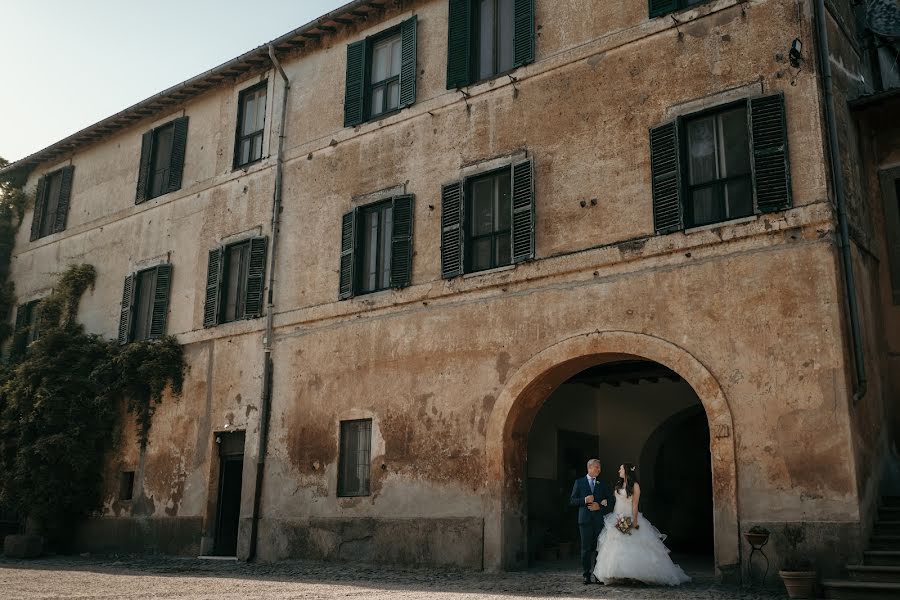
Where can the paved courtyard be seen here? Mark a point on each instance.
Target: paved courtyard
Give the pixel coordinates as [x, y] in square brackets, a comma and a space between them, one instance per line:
[191, 579]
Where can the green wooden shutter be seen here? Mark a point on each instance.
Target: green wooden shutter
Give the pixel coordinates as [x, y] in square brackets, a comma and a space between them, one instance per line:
[161, 301]
[65, 194]
[176, 158]
[661, 7]
[125, 316]
[523, 33]
[522, 211]
[20, 333]
[666, 175]
[401, 241]
[40, 202]
[22, 316]
[214, 266]
[143, 181]
[355, 89]
[256, 273]
[348, 245]
[408, 62]
[459, 44]
[452, 219]
[771, 163]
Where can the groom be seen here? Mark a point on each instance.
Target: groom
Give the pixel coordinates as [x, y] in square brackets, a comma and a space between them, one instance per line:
[594, 498]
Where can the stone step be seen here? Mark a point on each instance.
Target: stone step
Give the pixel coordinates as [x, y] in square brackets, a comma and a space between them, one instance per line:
[890, 574]
[884, 542]
[886, 558]
[886, 528]
[860, 590]
[889, 513]
[890, 501]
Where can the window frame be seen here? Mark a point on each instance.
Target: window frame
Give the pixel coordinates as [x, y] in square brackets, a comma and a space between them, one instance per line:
[889, 180]
[153, 172]
[359, 215]
[468, 237]
[369, 85]
[138, 294]
[240, 302]
[680, 6]
[239, 136]
[123, 476]
[475, 51]
[32, 321]
[687, 188]
[366, 489]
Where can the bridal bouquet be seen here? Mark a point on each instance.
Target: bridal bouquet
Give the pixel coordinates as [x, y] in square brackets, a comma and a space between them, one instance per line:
[623, 524]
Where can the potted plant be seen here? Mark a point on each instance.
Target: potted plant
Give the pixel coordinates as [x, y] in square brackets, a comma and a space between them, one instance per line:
[798, 574]
[757, 536]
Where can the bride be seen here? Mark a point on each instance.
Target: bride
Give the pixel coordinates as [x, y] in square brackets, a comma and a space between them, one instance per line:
[640, 554]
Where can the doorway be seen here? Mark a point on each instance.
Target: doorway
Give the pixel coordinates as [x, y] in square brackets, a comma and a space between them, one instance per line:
[228, 512]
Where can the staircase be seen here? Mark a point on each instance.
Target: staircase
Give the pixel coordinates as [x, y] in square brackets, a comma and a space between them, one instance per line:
[879, 575]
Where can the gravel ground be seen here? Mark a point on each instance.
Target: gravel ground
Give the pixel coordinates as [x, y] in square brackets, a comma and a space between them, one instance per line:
[192, 579]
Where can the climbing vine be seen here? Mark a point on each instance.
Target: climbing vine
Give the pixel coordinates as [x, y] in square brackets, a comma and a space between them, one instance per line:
[12, 208]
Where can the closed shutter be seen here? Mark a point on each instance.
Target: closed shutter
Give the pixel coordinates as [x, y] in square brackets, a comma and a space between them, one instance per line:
[459, 44]
[348, 245]
[401, 241]
[355, 88]
[452, 218]
[176, 158]
[771, 163]
[213, 293]
[65, 194]
[143, 181]
[665, 173]
[661, 7]
[523, 33]
[522, 211]
[256, 273]
[40, 202]
[408, 62]
[160, 301]
[127, 310]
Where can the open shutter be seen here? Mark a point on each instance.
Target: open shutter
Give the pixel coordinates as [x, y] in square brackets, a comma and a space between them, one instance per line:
[523, 33]
[452, 218]
[256, 273]
[355, 89]
[160, 301]
[348, 245]
[661, 7]
[144, 168]
[459, 44]
[22, 316]
[665, 172]
[401, 241]
[408, 62]
[771, 165]
[40, 203]
[522, 211]
[176, 158]
[127, 310]
[214, 268]
[65, 194]
[20, 333]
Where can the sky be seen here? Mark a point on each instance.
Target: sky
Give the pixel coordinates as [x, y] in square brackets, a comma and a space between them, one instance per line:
[67, 64]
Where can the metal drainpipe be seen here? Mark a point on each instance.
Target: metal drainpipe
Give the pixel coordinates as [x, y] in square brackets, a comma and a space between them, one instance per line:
[265, 404]
[837, 182]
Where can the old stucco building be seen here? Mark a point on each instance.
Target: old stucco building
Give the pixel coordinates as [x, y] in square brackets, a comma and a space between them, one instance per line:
[509, 234]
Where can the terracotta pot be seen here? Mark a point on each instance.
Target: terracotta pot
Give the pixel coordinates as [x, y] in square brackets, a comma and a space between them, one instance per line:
[799, 584]
[756, 539]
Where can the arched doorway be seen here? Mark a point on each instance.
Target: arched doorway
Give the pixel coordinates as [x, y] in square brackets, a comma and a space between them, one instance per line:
[506, 522]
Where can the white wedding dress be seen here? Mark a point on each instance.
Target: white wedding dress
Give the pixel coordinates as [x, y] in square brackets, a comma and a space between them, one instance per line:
[641, 556]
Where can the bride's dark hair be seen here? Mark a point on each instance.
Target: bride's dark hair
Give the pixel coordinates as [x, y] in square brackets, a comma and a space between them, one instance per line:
[629, 481]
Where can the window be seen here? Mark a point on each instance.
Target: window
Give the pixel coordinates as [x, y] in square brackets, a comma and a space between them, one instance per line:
[721, 164]
[488, 38]
[51, 203]
[251, 125]
[381, 74]
[27, 328]
[719, 186]
[662, 7]
[487, 220]
[145, 304]
[890, 190]
[162, 160]
[354, 463]
[234, 282]
[126, 486]
[376, 247]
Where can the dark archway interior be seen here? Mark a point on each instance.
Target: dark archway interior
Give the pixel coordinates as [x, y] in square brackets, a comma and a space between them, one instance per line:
[625, 411]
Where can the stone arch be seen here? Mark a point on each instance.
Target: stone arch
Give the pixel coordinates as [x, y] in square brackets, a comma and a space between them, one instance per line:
[532, 383]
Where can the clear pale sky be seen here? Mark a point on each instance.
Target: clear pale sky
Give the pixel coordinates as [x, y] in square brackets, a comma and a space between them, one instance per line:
[69, 63]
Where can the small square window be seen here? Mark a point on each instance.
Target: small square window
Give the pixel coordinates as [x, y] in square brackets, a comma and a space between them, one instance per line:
[354, 466]
[489, 221]
[126, 485]
[248, 146]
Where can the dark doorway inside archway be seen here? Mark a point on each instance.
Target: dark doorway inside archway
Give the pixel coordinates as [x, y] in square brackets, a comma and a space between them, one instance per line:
[625, 411]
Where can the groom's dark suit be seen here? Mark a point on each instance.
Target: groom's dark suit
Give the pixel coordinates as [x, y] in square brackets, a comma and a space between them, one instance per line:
[590, 523]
